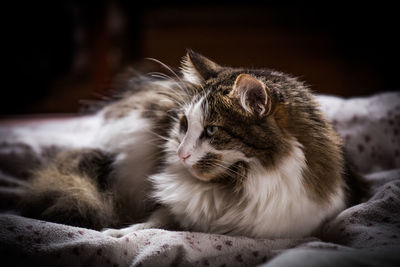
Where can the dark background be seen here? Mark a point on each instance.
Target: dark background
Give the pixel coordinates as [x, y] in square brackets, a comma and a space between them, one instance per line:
[61, 52]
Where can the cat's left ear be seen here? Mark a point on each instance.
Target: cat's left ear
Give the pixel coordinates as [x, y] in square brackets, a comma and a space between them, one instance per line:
[252, 94]
[197, 68]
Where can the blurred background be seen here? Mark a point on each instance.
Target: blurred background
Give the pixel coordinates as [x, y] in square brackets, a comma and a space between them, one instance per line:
[59, 53]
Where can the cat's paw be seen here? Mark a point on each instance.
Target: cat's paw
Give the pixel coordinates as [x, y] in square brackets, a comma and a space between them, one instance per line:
[125, 231]
[113, 232]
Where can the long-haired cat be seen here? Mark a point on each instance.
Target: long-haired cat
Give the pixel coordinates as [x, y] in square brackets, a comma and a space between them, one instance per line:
[221, 150]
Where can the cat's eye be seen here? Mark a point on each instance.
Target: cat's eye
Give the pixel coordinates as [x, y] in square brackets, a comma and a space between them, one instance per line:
[211, 130]
[183, 124]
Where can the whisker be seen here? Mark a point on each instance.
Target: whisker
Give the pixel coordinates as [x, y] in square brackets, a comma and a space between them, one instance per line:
[166, 113]
[230, 170]
[160, 74]
[166, 67]
[167, 77]
[158, 135]
[180, 98]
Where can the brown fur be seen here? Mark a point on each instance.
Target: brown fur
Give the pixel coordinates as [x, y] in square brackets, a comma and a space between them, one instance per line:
[68, 191]
[233, 177]
[293, 114]
[206, 166]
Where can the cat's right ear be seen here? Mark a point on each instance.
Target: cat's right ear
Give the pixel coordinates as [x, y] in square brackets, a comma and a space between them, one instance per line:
[197, 68]
[252, 95]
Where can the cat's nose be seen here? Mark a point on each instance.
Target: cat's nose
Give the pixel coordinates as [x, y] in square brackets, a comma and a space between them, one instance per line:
[183, 155]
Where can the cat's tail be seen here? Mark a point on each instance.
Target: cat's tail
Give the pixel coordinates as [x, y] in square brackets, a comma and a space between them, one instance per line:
[72, 189]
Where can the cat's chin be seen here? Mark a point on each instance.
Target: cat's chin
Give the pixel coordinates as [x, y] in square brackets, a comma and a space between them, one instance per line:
[200, 176]
[195, 174]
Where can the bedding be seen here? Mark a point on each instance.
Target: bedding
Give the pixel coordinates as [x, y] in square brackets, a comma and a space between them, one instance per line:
[367, 234]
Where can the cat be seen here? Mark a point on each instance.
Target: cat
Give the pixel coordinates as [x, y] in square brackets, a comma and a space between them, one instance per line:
[217, 149]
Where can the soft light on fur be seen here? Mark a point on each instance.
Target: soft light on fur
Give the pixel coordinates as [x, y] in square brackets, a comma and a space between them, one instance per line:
[222, 150]
[272, 203]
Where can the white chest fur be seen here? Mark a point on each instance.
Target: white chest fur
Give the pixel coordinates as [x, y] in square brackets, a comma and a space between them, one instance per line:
[273, 203]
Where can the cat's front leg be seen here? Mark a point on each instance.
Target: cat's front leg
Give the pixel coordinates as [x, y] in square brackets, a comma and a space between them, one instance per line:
[127, 230]
[160, 218]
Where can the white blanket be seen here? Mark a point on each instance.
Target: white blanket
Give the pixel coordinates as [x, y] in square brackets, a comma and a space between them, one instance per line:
[367, 234]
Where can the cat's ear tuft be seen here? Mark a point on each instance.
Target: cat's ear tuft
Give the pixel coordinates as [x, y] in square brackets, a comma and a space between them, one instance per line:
[252, 95]
[197, 68]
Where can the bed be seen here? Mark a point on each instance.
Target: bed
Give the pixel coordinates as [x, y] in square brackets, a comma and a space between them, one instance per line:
[367, 234]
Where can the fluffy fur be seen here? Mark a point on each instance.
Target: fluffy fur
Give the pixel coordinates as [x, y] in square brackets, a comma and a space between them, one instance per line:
[221, 150]
[272, 201]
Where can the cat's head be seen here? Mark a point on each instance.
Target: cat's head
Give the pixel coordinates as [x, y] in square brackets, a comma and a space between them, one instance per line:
[230, 121]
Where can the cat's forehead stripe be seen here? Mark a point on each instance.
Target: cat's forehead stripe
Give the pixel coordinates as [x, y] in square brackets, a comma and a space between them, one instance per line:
[204, 106]
[197, 111]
